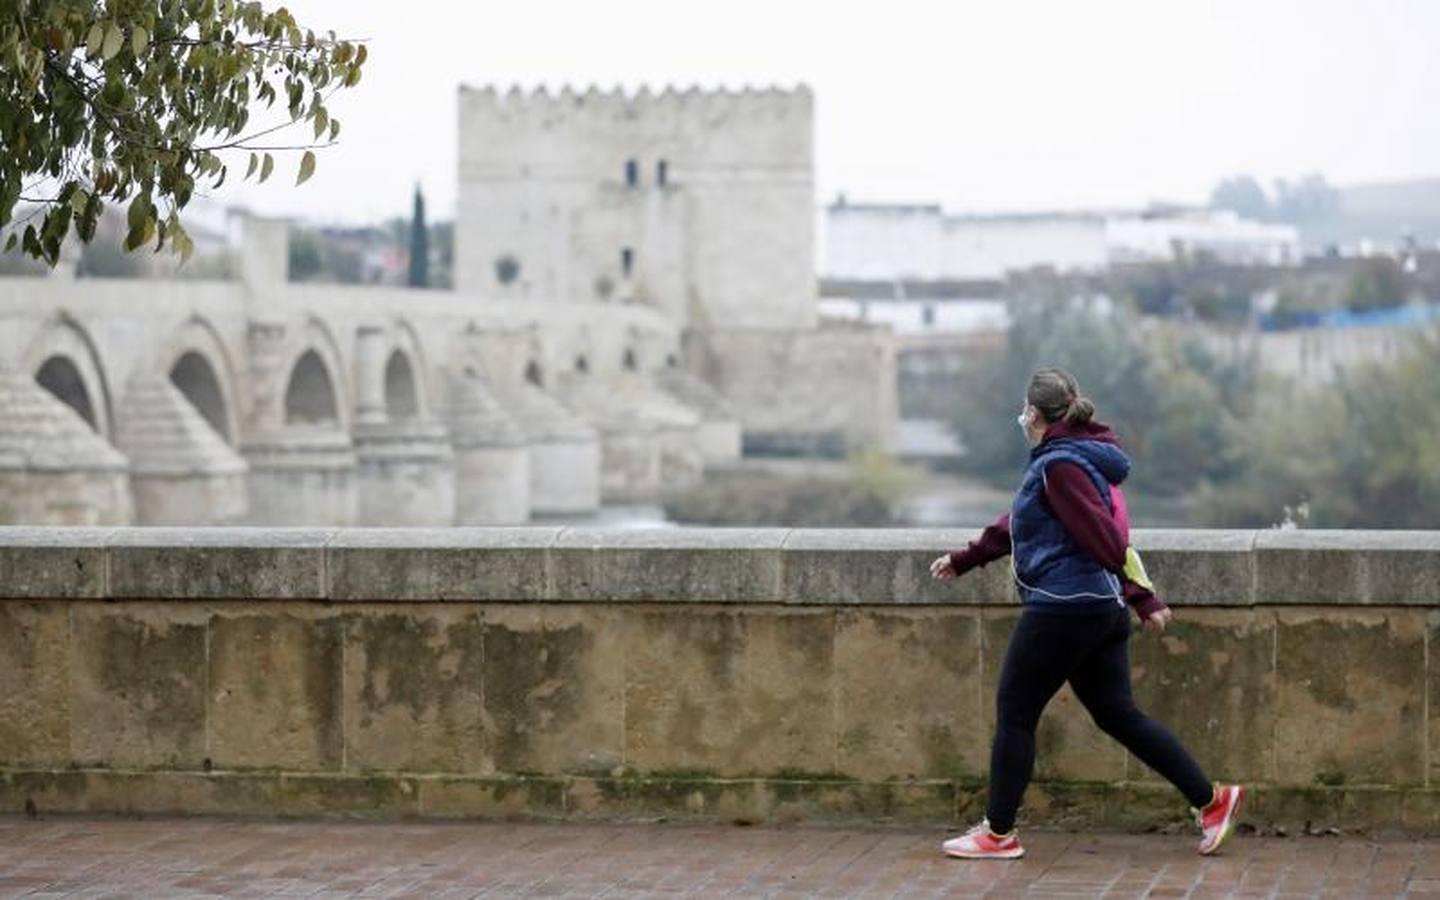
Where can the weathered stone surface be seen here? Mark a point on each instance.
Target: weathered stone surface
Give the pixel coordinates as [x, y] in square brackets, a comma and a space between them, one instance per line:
[34, 684]
[275, 691]
[734, 693]
[1075, 805]
[404, 474]
[440, 564]
[1432, 660]
[1419, 810]
[907, 694]
[693, 565]
[876, 802]
[1349, 697]
[1393, 568]
[413, 690]
[845, 566]
[1298, 809]
[218, 563]
[50, 791]
[1071, 805]
[734, 800]
[52, 563]
[139, 686]
[1210, 679]
[1190, 567]
[56, 467]
[1067, 743]
[140, 793]
[350, 796]
[492, 705]
[1148, 806]
[182, 472]
[447, 797]
[302, 474]
[554, 688]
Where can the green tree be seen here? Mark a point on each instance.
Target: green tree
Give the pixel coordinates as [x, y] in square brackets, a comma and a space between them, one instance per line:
[1153, 287]
[419, 244]
[1311, 199]
[1283, 460]
[1057, 321]
[1220, 304]
[1360, 453]
[1188, 441]
[138, 103]
[1377, 283]
[1387, 459]
[1242, 195]
[306, 261]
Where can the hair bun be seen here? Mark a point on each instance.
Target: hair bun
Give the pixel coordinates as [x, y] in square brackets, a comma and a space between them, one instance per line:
[1080, 411]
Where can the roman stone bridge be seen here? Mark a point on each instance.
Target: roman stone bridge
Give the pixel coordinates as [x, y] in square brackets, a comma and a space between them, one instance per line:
[185, 401]
[754, 675]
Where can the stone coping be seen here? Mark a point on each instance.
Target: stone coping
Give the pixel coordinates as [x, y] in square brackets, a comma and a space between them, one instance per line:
[834, 567]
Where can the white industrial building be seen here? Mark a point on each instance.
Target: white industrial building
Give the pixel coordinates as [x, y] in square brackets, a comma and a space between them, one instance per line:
[922, 243]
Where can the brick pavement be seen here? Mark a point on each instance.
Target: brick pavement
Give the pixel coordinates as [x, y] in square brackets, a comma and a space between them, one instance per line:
[199, 858]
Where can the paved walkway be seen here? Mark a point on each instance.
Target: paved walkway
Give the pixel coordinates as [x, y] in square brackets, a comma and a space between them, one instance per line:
[199, 858]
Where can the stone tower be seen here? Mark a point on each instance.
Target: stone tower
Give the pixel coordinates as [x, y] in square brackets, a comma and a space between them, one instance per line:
[699, 203]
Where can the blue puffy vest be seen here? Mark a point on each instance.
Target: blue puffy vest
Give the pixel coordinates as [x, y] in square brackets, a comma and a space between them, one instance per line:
[1050, 568]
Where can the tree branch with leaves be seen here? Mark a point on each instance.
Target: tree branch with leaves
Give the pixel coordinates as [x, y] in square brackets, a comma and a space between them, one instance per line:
[142, 102]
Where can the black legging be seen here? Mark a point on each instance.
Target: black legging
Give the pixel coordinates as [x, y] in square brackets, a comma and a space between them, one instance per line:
[1091, 651]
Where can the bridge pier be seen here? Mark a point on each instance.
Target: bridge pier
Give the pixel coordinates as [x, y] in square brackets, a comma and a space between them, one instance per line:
[564, 451]
[181, 471]
[492, 461]
[303, 475]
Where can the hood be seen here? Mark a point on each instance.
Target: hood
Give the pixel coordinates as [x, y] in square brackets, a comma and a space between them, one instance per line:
[1093, 441]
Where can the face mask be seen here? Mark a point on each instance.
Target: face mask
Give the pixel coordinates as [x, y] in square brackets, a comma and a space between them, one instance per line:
[1023, 420]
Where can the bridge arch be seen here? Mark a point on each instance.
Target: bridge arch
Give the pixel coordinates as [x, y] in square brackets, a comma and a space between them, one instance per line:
[64, 359]
[315, 391]
[202, 369]
[402, 400]
[407, 394]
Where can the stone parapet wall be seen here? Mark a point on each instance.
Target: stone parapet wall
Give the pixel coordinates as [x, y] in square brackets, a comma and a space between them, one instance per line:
[739, 674]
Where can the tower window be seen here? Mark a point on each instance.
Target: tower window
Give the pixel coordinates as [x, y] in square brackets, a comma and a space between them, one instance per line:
[632, 173]
[627, 261]
[507, 269]
[662, 173]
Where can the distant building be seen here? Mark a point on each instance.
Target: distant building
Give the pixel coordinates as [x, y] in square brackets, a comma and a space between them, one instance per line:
[698, 203]
[1162, 235]
[886, 242]
[921, 315]
[919, 243]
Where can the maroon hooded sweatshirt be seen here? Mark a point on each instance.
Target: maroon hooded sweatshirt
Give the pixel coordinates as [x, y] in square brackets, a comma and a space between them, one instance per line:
[1078, 505]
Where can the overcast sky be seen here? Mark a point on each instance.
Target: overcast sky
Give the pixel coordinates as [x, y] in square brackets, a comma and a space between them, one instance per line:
[996, 105]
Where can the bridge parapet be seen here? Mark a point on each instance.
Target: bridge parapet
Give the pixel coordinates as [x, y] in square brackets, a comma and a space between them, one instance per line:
[753, 674]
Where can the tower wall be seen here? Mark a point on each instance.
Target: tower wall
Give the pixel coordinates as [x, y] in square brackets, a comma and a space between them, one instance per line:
[726, 240]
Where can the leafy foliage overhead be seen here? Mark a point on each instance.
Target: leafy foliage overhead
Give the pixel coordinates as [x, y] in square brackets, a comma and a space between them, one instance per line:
[142, 102]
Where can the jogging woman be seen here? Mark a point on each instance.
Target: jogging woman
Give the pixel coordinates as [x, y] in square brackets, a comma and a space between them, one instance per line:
[1069, 534]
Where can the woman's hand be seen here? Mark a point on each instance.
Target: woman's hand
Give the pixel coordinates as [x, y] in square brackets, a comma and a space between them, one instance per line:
[1157, 620]
[942, 569]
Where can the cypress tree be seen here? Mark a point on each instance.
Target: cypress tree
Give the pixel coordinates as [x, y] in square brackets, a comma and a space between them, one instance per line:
[419, 244]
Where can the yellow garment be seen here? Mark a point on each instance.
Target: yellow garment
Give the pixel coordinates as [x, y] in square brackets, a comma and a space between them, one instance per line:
[1135, 569]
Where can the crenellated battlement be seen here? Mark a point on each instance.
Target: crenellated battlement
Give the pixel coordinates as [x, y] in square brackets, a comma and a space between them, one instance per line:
[519, 103]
